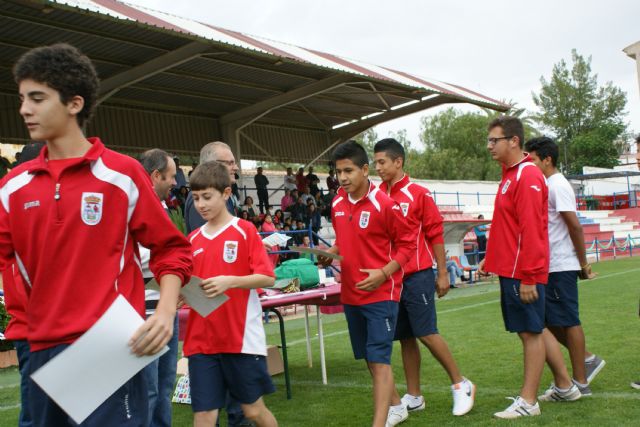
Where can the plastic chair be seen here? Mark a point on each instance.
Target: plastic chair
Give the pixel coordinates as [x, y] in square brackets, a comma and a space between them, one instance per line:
[468, 267]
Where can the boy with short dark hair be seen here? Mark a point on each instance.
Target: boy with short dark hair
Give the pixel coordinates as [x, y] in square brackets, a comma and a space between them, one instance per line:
[417, 317]
[568, 261]
[83, 201]
[375, 241]
[227, 349]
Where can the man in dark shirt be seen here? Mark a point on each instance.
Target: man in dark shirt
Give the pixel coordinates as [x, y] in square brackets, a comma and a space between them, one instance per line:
[262, 182]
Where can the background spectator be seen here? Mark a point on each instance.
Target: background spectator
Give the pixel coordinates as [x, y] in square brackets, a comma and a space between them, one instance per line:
[262, 182]
[312, 181]
[332, 181]
[287, 200]
[481, 237]
[301, 180]
[249, 208]
[290, 180]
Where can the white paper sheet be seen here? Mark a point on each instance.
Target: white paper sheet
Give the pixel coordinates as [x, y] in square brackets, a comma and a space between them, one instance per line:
[194, 295]
[276, 239]
[84, 375]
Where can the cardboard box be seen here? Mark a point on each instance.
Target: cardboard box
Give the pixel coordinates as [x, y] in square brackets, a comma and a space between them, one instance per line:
[275, 365]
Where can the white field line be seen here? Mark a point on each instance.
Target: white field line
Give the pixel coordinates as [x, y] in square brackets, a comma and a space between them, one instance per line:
[465, 307]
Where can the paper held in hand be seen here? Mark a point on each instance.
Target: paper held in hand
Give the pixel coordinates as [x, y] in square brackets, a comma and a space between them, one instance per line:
[85, 374]
[276, 239]
[195, 297]
[316, 252]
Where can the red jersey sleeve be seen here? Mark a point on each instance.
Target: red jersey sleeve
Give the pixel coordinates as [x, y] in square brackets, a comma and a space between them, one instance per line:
[150, 226]
[432, 222]
[258, 259]
[402, 234]
[531, 216]
[6, 244]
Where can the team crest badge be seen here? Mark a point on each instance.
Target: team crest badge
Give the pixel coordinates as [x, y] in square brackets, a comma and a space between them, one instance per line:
[505, 186]
[405, 208]
[230, 253]
[364, 219]
[91, 209]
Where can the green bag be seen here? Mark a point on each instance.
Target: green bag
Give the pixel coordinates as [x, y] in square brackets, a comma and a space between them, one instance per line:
[304, 269]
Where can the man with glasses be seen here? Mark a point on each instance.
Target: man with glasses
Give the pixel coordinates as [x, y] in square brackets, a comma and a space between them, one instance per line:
[518, 252]
[219, 152]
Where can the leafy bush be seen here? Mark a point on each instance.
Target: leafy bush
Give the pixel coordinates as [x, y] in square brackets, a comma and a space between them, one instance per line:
[4, 321]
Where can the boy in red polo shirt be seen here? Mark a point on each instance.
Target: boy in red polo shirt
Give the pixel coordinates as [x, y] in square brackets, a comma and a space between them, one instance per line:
[375, 241]
[417, 311]
[227, 350]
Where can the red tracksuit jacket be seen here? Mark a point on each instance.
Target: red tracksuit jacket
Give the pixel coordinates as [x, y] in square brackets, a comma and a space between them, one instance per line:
[420, 210]
[75, 240]
[518, 244]
[369, 234]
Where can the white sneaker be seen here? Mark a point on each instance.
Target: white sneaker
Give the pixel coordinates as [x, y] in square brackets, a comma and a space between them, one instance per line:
[519, 408]
[413, 403]
[554, 395]
[396, 415]
[464, 395]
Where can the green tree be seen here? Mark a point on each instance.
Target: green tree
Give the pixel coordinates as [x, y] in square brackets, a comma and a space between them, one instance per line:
[574, 107]
[367, 139]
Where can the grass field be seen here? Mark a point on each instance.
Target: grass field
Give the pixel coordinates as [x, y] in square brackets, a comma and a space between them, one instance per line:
[470, 320]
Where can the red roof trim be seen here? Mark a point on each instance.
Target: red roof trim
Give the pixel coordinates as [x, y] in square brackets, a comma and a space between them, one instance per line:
[139, 15]
[257, 43]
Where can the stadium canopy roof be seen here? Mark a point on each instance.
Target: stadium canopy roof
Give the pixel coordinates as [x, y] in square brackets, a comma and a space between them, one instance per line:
[176, 83]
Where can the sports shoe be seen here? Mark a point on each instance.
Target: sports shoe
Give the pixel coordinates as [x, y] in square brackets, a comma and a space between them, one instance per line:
[519, 408]
[553, 394]
[585, 390]
[593, 367]
[413, 403]
[396, 415]
[636, 385]
[464, 394]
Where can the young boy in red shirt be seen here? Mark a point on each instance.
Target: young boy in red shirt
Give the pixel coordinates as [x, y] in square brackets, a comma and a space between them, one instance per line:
[375, 241]
[71, 219]
[227, 349]
[417, 316]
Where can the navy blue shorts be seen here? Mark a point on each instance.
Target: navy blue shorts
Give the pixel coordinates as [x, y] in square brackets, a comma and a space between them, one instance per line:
[561, 300]
[128, 406]
[518, 316]
[417, 309]
[211, 376]
[371, 329]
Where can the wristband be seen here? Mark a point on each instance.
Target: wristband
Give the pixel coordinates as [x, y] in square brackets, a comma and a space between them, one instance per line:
[582, 267]
[386, 276]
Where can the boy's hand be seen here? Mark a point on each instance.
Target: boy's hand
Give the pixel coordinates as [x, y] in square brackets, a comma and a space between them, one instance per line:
[153, 334]
[442, 283]
[375, 279]
[214, 286]
[325, 261]
[528, 293]
[481, 269]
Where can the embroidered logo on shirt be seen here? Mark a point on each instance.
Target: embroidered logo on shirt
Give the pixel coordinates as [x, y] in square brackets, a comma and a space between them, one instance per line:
[505, 186]
[33, 204]
[405, 208]
[198, 251]
[91, 208]
[535, 187]
[364, 219]
[230, 253]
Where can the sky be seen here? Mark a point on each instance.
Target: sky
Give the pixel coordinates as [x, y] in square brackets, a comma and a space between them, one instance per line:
[499, 48]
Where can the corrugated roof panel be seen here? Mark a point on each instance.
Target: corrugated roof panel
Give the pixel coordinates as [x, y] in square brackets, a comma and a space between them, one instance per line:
[269, 47]
[299, 144]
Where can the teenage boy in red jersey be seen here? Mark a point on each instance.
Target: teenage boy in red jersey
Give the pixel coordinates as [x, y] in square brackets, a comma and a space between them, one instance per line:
[71, 219]
[417, 310]
[375, 241]
[518, 252]
[227, 350]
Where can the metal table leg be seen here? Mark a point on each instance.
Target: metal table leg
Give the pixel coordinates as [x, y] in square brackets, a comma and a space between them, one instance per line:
[323, 364]
[308, 336]
[285, 359]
